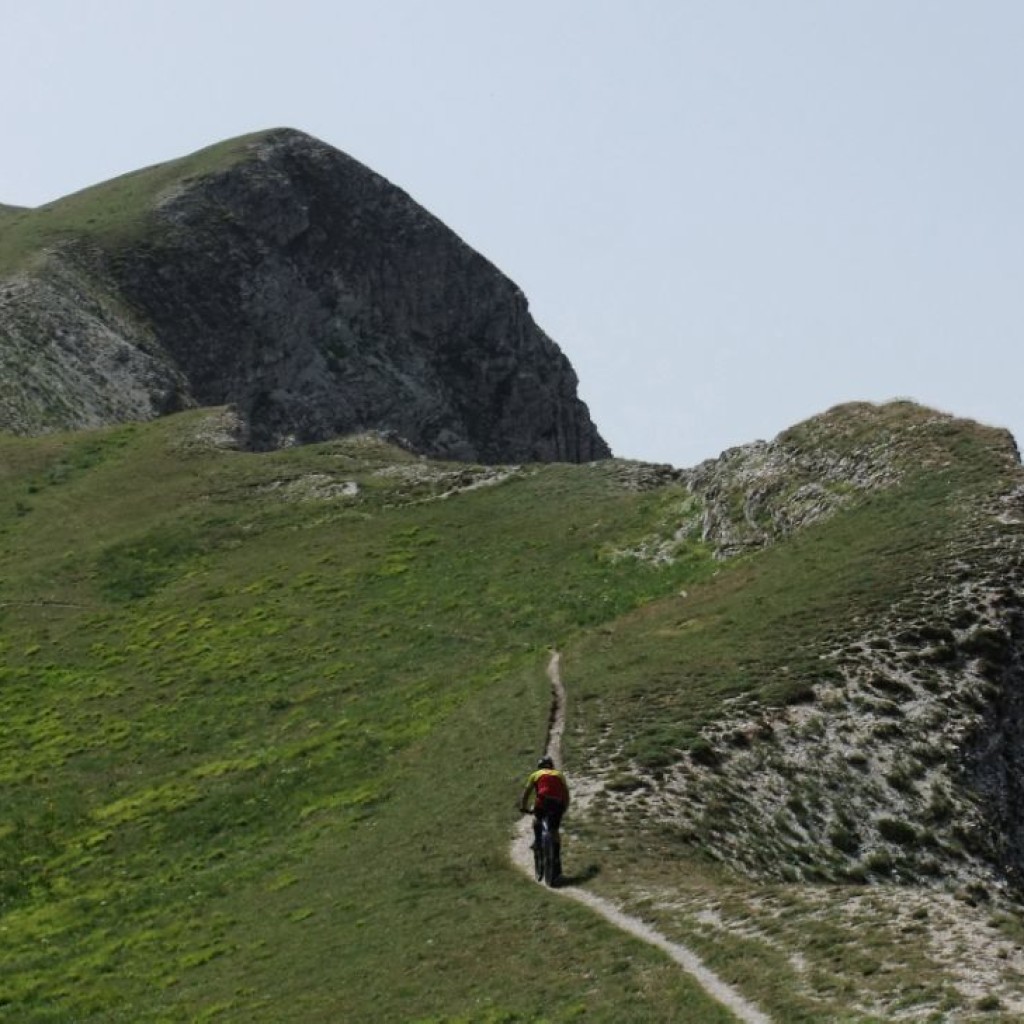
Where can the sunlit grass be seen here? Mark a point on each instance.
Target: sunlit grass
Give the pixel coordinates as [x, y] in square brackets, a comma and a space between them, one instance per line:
[245, 738]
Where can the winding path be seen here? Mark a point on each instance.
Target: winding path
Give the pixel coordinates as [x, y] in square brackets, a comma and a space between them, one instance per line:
[522, 857]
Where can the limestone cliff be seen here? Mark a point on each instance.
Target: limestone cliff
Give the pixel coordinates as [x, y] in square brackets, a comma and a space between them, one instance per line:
[294, 283]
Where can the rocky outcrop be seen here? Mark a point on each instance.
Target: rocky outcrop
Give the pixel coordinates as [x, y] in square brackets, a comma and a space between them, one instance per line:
[756, 494]
[903, 756]
[71, 357]
[308, 292]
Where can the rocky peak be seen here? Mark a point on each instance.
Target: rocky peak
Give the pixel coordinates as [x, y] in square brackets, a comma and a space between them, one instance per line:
[304, 289]
[752, 495]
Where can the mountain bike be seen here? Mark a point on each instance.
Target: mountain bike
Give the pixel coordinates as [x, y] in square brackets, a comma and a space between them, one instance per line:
[547, 854]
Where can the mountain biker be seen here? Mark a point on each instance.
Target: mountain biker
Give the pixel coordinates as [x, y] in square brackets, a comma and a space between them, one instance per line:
[550, 794]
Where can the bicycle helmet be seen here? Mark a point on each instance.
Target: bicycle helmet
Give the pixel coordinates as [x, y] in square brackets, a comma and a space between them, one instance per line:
[545, 762]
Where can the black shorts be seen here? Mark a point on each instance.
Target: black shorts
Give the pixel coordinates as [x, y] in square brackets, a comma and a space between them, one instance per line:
[550, 808]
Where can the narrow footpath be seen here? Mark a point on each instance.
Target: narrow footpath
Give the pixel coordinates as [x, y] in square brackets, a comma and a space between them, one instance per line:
[522, 857]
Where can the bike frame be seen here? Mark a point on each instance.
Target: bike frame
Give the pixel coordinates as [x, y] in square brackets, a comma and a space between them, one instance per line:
[545, 856]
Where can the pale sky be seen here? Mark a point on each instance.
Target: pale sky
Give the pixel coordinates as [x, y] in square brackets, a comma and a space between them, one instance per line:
[730, 214]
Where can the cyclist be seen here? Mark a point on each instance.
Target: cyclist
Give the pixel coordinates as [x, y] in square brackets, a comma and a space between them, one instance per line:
[550, 793]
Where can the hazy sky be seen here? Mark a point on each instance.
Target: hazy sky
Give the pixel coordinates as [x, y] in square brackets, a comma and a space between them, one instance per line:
[730, 215]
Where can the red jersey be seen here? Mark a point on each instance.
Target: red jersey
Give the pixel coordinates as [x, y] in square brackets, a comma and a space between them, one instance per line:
[548, 783]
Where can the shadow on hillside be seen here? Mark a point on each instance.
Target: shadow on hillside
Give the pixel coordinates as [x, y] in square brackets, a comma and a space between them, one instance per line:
[579, 877]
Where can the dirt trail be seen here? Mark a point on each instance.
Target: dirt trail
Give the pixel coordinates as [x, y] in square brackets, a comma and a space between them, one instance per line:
[686, 958]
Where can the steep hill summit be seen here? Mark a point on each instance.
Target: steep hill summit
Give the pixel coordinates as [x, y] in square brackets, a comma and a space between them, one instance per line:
[277, 274]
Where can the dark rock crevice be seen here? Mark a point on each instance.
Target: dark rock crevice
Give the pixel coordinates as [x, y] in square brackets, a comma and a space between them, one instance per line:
[993, 763]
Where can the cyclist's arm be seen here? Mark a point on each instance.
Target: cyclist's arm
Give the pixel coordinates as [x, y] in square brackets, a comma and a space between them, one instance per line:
[531, 785]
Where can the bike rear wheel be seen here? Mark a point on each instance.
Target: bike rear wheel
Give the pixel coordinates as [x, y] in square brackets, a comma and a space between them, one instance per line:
[550, 859]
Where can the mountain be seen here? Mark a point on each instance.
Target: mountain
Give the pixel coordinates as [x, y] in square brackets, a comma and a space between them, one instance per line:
[279, 275]
[265, 716]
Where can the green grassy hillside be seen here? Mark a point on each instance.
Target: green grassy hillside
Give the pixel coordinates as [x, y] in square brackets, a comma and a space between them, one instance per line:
[265, 718]
[261, 736]
[111, 213]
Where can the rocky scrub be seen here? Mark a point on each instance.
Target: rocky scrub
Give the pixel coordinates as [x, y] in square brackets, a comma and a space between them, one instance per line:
[902, 759]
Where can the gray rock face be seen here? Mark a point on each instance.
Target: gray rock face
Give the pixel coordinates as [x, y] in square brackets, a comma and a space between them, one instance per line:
[319, 300]
[71, 358]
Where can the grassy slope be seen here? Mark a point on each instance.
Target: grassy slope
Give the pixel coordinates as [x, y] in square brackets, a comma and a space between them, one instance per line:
[111, 212]
[259, 756]
[755, 632]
